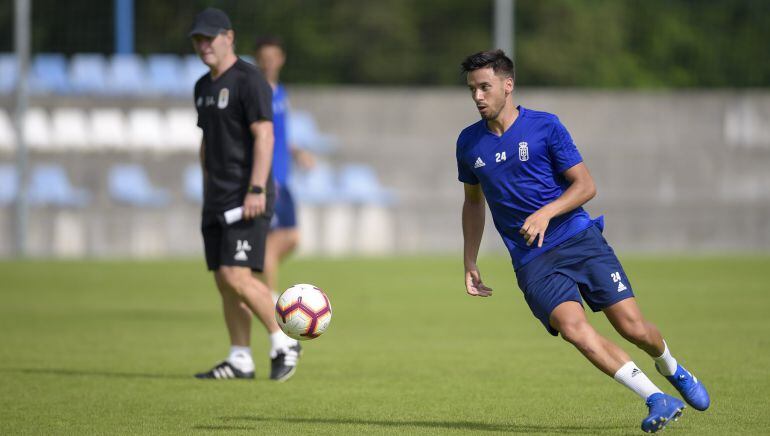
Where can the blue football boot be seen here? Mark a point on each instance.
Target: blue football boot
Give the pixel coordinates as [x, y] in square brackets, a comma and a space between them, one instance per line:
[691, 389]
[663, 408]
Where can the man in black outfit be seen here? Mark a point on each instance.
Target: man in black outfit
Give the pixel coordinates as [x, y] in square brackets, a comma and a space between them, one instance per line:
[234, 103]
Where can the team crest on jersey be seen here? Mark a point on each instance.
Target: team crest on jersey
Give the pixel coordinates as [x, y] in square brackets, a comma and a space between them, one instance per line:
[523, 151]
[224, 98]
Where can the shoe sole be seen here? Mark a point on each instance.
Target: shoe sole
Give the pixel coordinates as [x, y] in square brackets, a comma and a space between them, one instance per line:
[660, 425]
[286, 376]
[224, 379]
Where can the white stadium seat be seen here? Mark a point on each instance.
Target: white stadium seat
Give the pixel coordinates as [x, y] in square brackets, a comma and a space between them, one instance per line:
[108, 128]
[70, 128]
[182, 132]
[37, 128]
[144, 128]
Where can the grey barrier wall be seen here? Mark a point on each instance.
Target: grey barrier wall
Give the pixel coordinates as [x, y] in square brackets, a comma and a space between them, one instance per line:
[675, 171]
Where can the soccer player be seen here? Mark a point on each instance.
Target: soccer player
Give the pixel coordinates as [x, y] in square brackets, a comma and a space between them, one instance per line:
[526, 166]
[234, 110]
[284, 235]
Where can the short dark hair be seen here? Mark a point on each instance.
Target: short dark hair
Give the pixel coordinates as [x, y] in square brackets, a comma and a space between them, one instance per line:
[495, 59]
[268, 40]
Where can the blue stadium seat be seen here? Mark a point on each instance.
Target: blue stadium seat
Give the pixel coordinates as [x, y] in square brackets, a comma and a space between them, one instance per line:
[8, 73]
[130, 184]
[315, 186]
[88, 73]
[164, 72]
[192, 70]
[359, 184]
[9, 184]
[49, 74]
[193, 183]
[127, 75]
[50, 185]
[303, 132]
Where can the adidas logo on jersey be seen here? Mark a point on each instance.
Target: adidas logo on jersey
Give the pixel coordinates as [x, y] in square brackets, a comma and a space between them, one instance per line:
[479, 163]
[621, 287]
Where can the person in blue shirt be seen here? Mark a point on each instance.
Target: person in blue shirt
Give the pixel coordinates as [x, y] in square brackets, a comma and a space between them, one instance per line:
[284, 234]
[524, 164]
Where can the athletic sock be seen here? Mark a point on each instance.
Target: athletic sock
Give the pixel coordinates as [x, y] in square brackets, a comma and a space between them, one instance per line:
[240, 358]
[630, 376]
[665, 363]
[279, 341]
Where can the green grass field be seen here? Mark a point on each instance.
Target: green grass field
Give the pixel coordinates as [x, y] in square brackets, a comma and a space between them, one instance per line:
[110, 347]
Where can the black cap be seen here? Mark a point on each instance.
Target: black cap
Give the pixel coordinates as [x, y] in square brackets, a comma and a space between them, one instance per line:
[210, 22]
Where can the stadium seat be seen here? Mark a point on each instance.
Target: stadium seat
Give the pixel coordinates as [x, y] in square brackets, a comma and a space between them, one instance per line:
[48, 74]
[107, 128]
[359, 184]
[182, 131]
[69, 128]
[129, 184]
[50, 185]
[164, 71]
[315, 186]
[7, 134]
[9, 184]
[192, 70]
[303, 132]
[145, 129]
[88, 73]
[37, 128]
[127, 75]
[8, 73]
[193, 183]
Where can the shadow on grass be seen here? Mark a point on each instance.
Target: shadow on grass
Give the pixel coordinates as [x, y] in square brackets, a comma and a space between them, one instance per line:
[241, 423]
[86, 373]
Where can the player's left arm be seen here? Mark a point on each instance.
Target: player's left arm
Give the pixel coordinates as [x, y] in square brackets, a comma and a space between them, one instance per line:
[580, 190]
[258, 110]
[254, 204]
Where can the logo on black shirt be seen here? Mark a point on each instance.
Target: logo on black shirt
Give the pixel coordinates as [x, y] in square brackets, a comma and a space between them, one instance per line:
[224, 97]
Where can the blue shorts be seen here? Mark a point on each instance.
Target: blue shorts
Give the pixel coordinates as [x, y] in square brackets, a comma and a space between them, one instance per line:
[285, 215]
[583, 266]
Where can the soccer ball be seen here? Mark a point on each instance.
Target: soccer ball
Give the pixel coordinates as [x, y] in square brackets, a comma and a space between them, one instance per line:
[303, 312]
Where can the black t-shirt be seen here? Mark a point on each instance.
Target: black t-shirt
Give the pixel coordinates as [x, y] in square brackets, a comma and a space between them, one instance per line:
[226, 108]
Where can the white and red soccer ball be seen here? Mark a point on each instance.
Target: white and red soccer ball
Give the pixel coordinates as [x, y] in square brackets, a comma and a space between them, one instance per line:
[303, 312]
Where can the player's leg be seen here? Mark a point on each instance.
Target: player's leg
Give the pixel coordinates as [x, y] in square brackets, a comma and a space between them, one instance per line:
[251, 291]
[628, 320]
[283, 237]
[284, 351]
[569, 319]
[237, 314]
[239, 363]
[605, 286]
[281, 242]
[556, 301]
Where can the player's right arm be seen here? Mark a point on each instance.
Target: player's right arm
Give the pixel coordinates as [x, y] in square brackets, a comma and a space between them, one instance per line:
[473, 216]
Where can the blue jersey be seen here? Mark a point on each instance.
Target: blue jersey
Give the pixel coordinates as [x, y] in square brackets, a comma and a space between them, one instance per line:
[520, 172]
[281, 155]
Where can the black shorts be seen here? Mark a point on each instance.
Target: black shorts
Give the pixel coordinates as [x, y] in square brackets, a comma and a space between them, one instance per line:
[241, 243]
